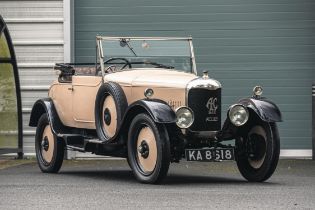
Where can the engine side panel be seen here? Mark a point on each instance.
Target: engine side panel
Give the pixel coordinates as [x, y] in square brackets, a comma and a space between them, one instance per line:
[174, 97]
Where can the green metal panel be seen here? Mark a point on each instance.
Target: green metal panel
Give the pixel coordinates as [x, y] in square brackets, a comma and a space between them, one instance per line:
[241, 42]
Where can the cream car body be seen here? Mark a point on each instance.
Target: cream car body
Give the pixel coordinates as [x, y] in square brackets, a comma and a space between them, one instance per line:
[75, 102]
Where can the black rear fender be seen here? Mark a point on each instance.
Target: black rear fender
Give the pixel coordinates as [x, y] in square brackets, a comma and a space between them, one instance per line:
[43, 106]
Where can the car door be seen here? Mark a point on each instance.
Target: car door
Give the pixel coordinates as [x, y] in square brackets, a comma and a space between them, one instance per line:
[83, 99]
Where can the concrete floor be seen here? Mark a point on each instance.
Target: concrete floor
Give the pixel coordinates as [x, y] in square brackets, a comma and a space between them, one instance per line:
[109, 184]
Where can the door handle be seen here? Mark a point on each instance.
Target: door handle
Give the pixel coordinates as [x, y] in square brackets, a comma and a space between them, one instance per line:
[70, 88]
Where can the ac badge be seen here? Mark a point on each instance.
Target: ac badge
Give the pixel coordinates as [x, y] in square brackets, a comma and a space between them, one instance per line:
[212, 105]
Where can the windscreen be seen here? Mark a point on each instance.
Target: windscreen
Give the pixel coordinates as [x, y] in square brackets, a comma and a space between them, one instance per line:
[172, 54]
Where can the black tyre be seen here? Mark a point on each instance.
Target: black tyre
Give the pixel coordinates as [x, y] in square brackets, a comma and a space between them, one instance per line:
[49, 149]
[127, 159]
[110, 106]
[148, 149]
[258, 152]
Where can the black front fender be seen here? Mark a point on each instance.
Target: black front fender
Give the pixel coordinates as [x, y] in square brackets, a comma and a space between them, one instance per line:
[43, 106]
[160, 111]
[265, 109]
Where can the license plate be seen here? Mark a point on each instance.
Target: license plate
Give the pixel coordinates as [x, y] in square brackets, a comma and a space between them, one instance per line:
[209, 154]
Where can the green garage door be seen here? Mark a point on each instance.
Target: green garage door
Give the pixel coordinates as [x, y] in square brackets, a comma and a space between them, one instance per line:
[241, 42]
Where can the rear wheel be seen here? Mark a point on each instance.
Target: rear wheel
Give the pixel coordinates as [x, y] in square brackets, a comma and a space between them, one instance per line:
[49, 149]
[258, 152]
[148, 149]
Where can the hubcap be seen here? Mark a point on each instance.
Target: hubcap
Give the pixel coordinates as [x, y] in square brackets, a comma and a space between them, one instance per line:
[107, 117]
[257, 146]
[143, 149]
[45, 143]
[146, 150]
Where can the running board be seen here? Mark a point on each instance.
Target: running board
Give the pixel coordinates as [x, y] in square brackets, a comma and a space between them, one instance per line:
[94, 141]
[92, 144]
[74, 148]
[80, 148]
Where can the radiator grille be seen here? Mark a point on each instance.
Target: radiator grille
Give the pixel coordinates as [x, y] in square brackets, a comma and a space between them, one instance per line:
[206, 105]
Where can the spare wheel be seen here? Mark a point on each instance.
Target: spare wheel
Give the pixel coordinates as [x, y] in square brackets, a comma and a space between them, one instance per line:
[110, 107]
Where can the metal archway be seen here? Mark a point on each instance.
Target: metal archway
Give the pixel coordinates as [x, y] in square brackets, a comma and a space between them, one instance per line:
[11, 136]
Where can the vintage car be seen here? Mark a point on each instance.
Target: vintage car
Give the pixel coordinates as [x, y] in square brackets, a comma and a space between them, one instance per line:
[142, 100]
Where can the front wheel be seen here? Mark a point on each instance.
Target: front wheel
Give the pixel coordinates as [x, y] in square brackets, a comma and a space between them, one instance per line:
[257, 151]
[49, 148]
[148, 149]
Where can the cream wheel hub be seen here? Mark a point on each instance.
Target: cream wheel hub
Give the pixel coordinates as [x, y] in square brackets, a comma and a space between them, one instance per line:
[47, 144]
[109, 116]
[260, 138]
[146, 149]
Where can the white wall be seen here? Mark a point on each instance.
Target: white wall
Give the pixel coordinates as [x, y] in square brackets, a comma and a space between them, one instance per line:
[37, 30]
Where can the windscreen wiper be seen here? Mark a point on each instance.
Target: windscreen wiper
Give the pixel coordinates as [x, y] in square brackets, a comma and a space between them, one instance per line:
[124, 42]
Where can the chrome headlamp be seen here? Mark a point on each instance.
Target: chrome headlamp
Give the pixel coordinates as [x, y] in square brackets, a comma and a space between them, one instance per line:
[184, 117]
[238, 114]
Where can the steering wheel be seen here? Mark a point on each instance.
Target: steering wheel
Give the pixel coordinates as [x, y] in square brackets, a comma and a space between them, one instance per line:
[127, 63]
[110, 69]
